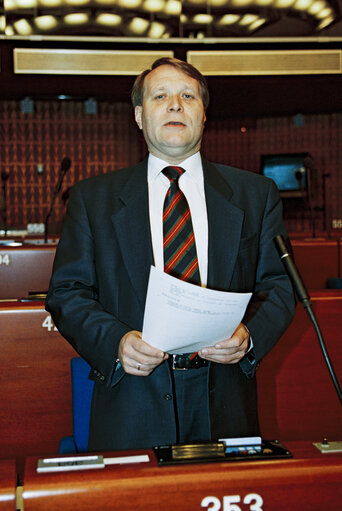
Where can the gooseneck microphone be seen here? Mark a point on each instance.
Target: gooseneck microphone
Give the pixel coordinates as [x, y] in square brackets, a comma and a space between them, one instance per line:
[304, 298]
[292, 271]
[65, 166]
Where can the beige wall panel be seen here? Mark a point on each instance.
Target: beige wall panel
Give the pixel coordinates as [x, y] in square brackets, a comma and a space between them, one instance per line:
[83, 62]
[275, 62]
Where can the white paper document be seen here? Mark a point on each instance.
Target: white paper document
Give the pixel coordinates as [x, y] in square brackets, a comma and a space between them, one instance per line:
[183, 318]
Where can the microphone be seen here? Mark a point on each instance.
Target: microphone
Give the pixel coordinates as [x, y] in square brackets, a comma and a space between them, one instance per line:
[4, 175]
[304, 297]
[292, 271]
[65, 166]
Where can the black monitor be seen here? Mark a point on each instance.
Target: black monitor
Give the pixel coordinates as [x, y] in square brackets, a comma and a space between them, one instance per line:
[288, 171]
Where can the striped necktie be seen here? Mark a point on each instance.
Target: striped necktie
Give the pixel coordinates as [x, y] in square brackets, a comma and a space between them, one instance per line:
[180, 257]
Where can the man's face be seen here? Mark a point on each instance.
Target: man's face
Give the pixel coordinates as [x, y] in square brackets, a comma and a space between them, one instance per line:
[172, 115]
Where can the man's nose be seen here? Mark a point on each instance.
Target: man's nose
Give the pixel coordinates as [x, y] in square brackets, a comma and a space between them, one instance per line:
[175, 104]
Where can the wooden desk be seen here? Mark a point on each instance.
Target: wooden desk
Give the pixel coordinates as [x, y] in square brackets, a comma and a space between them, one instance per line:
[24, 269]
[317, 260]
[35, 397]
[27, 268]
[297, 399]
[8, 484]
[310, 481]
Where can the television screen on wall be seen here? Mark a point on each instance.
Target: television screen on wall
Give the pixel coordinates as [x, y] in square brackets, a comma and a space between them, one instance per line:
[288, 171]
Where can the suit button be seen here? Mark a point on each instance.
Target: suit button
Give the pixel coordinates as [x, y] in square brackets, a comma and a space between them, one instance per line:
[168, 397]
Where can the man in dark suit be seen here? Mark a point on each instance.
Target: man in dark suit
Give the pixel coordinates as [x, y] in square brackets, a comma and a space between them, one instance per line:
[113, 233]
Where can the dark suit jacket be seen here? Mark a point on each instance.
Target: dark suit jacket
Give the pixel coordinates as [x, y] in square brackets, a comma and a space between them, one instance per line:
[99, 283]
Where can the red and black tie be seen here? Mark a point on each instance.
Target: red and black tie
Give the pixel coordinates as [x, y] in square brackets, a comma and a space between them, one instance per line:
[180, 257]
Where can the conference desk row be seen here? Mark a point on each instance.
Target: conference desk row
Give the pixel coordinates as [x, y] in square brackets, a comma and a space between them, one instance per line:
[26, 268]
[308, 481]
[8, 485]
[297, 400]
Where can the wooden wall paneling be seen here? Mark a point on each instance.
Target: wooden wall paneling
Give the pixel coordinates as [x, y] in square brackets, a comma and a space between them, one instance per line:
[109, 140]
[241, 142]
[96, 144]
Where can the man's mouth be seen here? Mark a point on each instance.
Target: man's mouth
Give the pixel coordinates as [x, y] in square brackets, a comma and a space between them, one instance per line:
[174, 123]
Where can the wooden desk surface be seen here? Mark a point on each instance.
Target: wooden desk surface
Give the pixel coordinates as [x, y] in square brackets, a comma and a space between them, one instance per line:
[35, 397]
[310, 481]
[24, 269]
[8, 483]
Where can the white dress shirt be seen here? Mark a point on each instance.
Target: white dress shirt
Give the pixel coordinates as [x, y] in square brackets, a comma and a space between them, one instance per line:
[192, 185]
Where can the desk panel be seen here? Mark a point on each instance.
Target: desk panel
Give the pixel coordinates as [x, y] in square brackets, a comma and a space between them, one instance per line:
[8, 484]
[25, 269]
[35, 398]
[28, 268]
[297, 399]
[310, 481]
[317, 260]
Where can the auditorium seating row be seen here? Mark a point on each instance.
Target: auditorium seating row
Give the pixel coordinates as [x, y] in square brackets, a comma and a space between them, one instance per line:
[26, 268]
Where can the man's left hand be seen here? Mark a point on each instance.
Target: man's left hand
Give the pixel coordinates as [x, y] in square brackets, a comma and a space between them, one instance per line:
[229, 351]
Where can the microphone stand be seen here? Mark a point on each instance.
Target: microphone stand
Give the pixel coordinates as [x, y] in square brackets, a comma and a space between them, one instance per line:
[324, 351]
[49, 214]
[4, 177]
[304, 298]
[65, 165]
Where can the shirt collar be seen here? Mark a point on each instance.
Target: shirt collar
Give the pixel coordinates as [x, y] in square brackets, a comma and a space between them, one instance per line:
[192, 166]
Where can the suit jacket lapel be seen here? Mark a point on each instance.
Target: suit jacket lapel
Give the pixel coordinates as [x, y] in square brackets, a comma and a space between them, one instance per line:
[225, 226]
[132, 226]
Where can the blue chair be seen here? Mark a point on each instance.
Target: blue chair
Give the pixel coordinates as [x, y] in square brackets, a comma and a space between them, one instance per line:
[82, 389]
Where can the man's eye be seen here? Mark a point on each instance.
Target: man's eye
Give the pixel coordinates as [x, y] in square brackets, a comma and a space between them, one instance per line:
[160, 96]
[188, 96]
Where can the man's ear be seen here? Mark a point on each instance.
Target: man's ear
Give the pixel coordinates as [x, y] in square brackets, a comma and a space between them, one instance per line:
[138, 115]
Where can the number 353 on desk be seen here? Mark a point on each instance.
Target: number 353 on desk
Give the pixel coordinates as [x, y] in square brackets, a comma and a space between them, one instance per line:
[251, 502]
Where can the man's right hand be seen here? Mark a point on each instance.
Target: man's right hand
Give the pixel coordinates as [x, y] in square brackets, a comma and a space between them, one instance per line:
[137, 357]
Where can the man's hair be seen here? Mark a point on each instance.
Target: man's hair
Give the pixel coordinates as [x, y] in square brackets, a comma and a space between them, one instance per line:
[137, 94]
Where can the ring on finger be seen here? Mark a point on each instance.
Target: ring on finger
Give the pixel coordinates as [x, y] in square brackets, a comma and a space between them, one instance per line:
[138, 366]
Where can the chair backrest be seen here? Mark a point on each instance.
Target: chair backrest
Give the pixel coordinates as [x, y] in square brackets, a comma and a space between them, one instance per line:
[82, 389]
